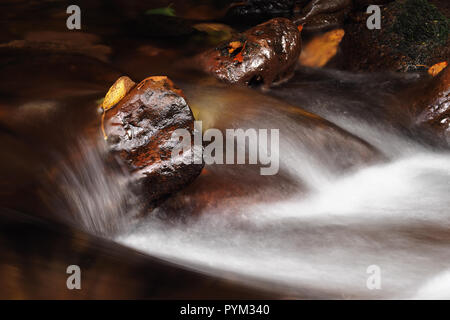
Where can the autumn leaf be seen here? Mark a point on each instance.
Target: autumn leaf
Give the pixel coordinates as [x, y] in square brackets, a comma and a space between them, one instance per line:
[437, 68]
[321, 49]
[233, 45]
[117, 91]
[239, 57]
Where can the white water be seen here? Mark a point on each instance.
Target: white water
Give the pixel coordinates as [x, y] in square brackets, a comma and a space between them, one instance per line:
[395, 215]
[311, 232]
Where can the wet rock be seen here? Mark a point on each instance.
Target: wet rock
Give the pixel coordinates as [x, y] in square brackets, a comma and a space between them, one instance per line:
[313, 14]
[326, 21]
[324, 9]
[432, 109]
[252, 12]
[363, 4]
[263, 55]
[414, 35]
[139, 131]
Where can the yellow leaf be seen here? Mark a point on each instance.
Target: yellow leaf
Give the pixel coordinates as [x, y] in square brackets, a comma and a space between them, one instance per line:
[233, 45]
[118, 90]
[321, 49]
[438, 67]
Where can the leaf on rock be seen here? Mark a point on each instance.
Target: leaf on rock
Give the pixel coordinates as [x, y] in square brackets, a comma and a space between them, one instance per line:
[437, 68]
[118, 90]
[233, 45]
[239, 57]
[321, 49]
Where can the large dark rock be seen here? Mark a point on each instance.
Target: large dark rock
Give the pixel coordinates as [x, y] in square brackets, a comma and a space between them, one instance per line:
[252, 12]
[414, 35]
[139, 131]
[265, 54]
[320, 9]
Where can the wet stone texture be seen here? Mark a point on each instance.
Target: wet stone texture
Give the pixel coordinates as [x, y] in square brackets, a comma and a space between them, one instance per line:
[433, 108]
[140, 129]
[256, 11]
[264, 55]
[323, 14]
[414, 35]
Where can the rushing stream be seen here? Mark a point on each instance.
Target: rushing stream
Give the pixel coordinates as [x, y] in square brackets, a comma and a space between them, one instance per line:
[393, 215]
[362, 184]
[313, 230]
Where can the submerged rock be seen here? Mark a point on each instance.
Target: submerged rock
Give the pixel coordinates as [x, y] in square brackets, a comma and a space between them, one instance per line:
[139, 130]
[265, 54]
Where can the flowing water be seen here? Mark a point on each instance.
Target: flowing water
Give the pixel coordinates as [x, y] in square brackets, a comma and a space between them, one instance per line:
[313, 230]
[357, 190]
[342, 201]
[394, 215]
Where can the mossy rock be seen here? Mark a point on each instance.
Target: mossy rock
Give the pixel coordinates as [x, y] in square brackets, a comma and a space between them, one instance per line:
[414, 35]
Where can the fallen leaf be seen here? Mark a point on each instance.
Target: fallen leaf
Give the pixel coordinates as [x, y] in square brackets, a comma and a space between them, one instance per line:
[239, 57]
[438, 67]
[117, 91]
[233, 45]
[321, 49]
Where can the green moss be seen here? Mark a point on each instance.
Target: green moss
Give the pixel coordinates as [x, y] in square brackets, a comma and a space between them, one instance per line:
[420, 23]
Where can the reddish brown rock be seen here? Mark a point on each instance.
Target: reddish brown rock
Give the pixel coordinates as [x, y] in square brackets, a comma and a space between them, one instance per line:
[265, 54]
[139, 131]
[432, 109]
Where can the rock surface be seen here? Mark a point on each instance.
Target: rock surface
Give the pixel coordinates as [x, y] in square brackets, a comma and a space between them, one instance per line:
[432, 109]
[324, 8]
[414, 35]
[265, 54]
[252, 12]
[139, 131]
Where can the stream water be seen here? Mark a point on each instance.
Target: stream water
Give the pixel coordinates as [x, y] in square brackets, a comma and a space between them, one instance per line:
[313, 230]
[393, 215]
[357, 186]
